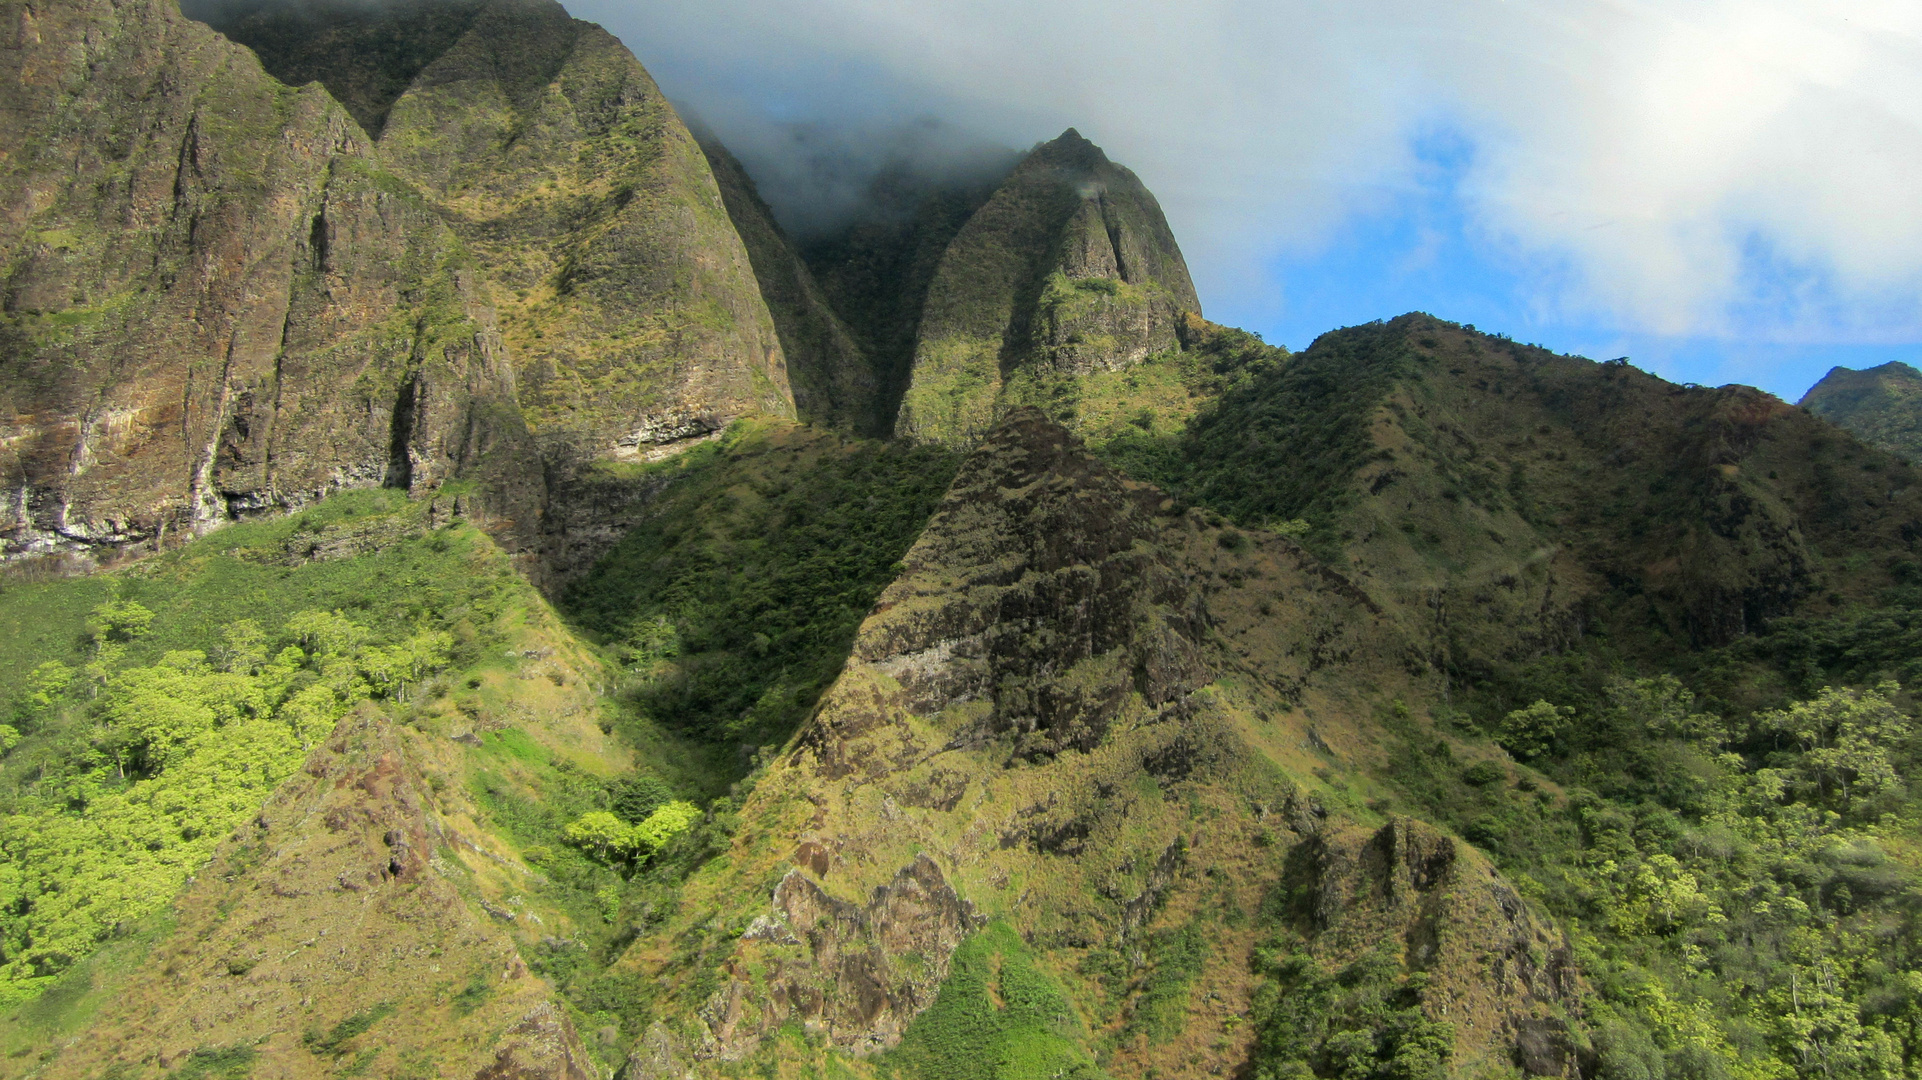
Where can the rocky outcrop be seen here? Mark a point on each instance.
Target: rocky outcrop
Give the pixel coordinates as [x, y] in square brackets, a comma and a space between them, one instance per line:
[1063, 671]
[1506, 982]
[1036, 594]
[1069, 268]
[854, 985]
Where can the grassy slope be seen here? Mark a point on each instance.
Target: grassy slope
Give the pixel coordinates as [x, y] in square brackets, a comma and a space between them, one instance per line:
[516, 682]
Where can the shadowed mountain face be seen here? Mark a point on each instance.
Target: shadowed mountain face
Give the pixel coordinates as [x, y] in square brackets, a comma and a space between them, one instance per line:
[835, 379]
[1882, 406]
[365, 53]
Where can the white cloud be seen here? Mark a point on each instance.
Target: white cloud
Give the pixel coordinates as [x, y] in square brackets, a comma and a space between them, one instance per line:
[1689, 166]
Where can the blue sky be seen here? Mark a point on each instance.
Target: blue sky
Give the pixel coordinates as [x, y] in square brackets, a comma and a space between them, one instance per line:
[1416, 248]
[1720, 190]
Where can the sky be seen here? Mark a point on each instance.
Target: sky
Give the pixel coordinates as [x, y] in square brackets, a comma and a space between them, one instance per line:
[1720, 190]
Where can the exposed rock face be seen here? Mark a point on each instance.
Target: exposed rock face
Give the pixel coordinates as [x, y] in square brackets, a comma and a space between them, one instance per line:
[542, 1046]
[336, 901]
[1070, 267]
[854, 988]
[212, 304]
[1036, 593]
[220, 298]
[1881, 405]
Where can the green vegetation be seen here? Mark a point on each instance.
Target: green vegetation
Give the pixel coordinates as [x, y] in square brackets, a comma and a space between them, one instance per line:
[1882, 406]
[333, 1042]
[1281, 443]
[1361, 1022]
[1742, 890]
[998, 1017]
[1136, 418]
[608, 836]
[735, 603]
[1175, 958]
[230, 1063]
[177, 705]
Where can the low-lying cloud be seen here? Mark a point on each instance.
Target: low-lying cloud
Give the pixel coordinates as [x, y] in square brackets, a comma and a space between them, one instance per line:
[1671, 167]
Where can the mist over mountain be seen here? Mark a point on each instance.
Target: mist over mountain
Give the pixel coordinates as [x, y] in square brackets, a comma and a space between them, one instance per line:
[821, 179]
[500, 582]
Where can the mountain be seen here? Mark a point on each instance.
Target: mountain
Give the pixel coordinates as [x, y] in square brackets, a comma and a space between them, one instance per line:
[1069, 268]
[1878, 405]
[625, 293]
[1514, 501]
[485, 599]
[226, 298]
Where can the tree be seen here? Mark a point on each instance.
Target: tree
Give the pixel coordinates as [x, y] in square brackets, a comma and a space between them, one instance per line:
[665, 823]
[118, 622]
[1529, 733]
[1845, 738]
[603, 833]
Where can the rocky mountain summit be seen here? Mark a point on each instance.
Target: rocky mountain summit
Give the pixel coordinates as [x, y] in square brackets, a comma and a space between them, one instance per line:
[484, 600]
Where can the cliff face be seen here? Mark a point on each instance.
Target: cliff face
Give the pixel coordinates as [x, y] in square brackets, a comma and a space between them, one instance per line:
[834, 380]
[221, 298]
[625, 294]
[214, 303]
[1069, 269]
[1882, 406]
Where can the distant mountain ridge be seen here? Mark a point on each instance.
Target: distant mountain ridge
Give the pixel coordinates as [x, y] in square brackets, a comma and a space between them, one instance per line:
[1881, 405]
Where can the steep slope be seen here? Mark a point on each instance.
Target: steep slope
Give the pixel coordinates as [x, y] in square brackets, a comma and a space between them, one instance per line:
[1882, 406]
[876, 270]
[1066, 738]
[625, 293]
[834, 380]
[214, 303]
[410, 745]
[1068, 269]
[1506, 501]
[222, 299]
